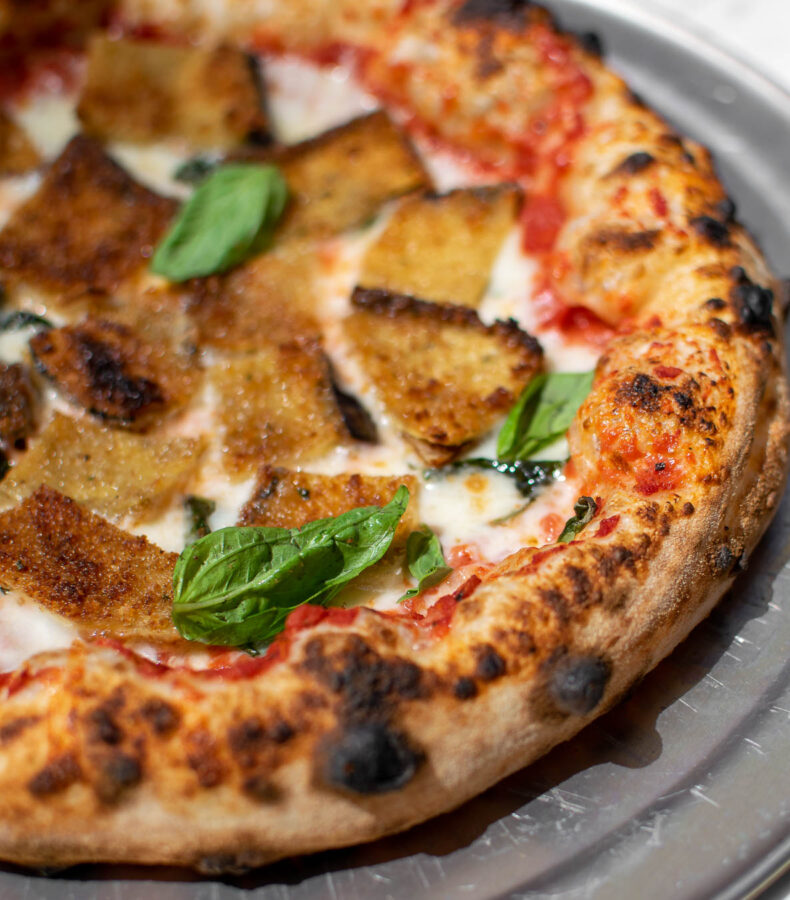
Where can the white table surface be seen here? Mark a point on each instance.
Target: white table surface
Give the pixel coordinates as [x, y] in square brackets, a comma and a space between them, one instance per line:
[757, 31]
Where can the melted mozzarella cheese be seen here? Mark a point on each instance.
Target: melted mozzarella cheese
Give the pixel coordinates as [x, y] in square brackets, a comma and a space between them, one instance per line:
[26, 629]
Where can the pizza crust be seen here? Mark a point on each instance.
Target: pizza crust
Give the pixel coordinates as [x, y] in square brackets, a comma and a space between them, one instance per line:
[349, 728]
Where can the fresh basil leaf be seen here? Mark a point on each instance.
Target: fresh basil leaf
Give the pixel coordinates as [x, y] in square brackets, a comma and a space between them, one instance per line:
[194, 170]
[425, 560]
[237, 586]
[543, 413]
[528, 474]
[233, 212]
[20, 319]
[198, 510]
[583, 511]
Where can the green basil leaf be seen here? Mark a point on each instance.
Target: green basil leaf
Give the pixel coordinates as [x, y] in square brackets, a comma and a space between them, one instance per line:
[198, 510]
[20, 319]
[543, 413]
[237, 586]
[583, 511]
[425, 560]
[527, 474]
[195, 169]
[232, 213]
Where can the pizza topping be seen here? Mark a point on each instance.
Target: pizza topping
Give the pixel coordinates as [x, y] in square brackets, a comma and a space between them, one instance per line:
[443, 375]
[87, 228]
[232, 213]
[17, 406]
[442, 247]
[753, 302]
[425, 560]
[199, 510]
[584, 511]
[236, 586]
[17, 153]
[144, 91]
[81, 567]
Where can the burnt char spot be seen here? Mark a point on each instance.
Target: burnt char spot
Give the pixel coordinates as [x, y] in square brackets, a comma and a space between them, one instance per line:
[578, 683]
[15, 727]
[642, 392]
[625, 241]
[104, 728]
[490, 664]
[726, 209]
[204, 760]
[753, 302]
[246, 737]
[367, 759]
[713, 231]
[117, 773]
[581, 587]
[508, 13]
[715, 304]
[55, 776]
[723, 558]
[357, 419]
[366, 683]
[683, 400]
[465, 688]
[162, 717]
[634, 164]
[688, 509]
[260, 788]
[105, 369]
[591, 42]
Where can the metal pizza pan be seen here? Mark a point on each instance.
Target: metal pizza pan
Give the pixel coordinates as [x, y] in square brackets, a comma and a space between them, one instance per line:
[683, 791]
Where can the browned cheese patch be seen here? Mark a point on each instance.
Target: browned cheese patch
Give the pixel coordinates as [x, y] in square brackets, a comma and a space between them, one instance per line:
[444, 376]
[78, 565]
[17, 153]
[105, 367]
[144, 91]
[340, 179]
[276, 406]
[269, 298]
[87, 228]
[114, 473]
[442, 247]
[17, 405]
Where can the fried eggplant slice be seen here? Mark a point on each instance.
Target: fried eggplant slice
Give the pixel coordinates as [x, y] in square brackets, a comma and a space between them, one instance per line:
[444, 376]
[284, 498]
[340, 179]
[143, 91]
[17, 406]
[106, 368]
[79, 566]
[64, 23]
[276, 406]
[114, 473]
[268, 298]
[87, 228]
[17, 153]
[441, 247]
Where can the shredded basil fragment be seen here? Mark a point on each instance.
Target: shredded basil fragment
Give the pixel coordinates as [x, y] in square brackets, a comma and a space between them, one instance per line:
[527, 474]
[232, 214]
[543, 413]
[425, 560]
[21, 318]
[194, 170]
[199, 510]
[236, 586]
[583, 511]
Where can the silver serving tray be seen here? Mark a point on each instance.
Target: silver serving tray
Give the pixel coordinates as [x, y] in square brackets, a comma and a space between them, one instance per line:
[684, 790]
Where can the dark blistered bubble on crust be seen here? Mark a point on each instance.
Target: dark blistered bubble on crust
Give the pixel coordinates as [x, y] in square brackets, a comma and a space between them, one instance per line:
[369, 758]
[634, 164]
[712, 230]
[753, 302]
[507, 13]
[578, 683]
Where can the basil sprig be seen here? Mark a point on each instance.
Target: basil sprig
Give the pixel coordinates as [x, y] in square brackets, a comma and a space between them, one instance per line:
[425, 560]
[543, 413]
[527, 474]
[198, 510]
[232, 213]
[21, 318]
[236, 586]
[195, 169]
[583, 511]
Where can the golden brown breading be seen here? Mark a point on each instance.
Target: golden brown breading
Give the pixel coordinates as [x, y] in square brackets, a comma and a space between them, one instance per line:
[276, 406]
[17, 153]
[106, 367]
[144, 91]
[444, 376]
[268, 298]
[340, 179]
[60, 22]
[87, 228]
[441, 247]
[79, 566]
[112, 472]
[17, 405]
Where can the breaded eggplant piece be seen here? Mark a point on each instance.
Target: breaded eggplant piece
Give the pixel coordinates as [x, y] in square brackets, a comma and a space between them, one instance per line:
[268, 298]
[114, 473]
[17, 153]
[340, 179]
[107, 368]
[444, 376]
[276, 406]
[17, 406]
[143, 91]
[79, 566]
[46, 23]
[87, 228]
[441, 247]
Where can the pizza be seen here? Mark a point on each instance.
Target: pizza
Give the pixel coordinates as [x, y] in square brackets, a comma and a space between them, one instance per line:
[385, 390]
